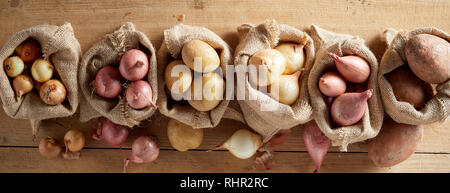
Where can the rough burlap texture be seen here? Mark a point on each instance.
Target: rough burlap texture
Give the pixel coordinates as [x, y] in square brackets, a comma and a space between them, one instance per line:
[174, 39]
[269, 122]
[61, 48]
[108, 52]
[342, 44]
[436, 109]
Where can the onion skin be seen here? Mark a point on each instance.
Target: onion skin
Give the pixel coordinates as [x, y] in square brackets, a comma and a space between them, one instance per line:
[200, 49]
[144, 149]
[74, 140]
[349, 108]
[295, 56]
[113, 134]
[49, 148]
[332, 84]
[353, 68]
[22, 84]
[395, 143]
[52, 92]
[139, 95]
[134, 65]
[428, 57]
[13, 66]
[42, 70]
[316, 143]
[29, 50]
[108, 82]
[409, 88]
[266, 61]
[288, 88]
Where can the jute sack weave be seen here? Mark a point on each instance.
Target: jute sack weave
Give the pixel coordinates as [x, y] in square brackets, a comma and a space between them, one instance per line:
[269, 122]
[174, 39]
[108, 52]
[436, 109]
[342, 44]
[58, 45]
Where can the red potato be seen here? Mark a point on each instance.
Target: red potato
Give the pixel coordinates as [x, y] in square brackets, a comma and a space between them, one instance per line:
[108, 82]
[395, 143]
[408, 88]
[316, 143]
[428, 57]
[134, 65]
[349, 108]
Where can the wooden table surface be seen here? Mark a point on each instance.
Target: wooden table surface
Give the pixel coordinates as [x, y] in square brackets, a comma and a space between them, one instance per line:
[92, 19]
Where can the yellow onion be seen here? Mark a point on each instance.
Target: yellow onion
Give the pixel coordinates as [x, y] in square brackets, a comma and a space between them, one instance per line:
[13, 66]
[183, 137]
[265, 67]
[295, 56]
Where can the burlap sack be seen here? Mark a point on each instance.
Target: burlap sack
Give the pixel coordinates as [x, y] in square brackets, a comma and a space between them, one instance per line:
[436, 109]
[341, 44]
[269, 35]
[108, 52]
[59, 45]
[174, 39]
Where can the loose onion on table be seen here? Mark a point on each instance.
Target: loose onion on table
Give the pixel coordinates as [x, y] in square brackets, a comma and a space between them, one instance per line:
[29, 50]
[207, 91]
[243, 144]
[108, 82]
[52, 92]
[286, 89]
[349, 108]
[316, 143]
[353, 68]
[409, 88]
[74, 140]
[13, 66]
[49, 148]
[42, 70]
[295, 56]
[332, 84]
[178, 77]
[139, 95]
[203, 52]
[113, 134]
[265, 67]
[144, 149]
[183, 137]
[22, 84]
[134, 65]
[428, 57]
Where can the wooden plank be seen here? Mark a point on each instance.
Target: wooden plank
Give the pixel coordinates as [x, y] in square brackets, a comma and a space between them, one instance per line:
[92, 19]
[109, 160]
[18, 133]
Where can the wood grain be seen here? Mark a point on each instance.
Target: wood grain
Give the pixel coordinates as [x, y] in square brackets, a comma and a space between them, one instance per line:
[111, 160]
[92, 19]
